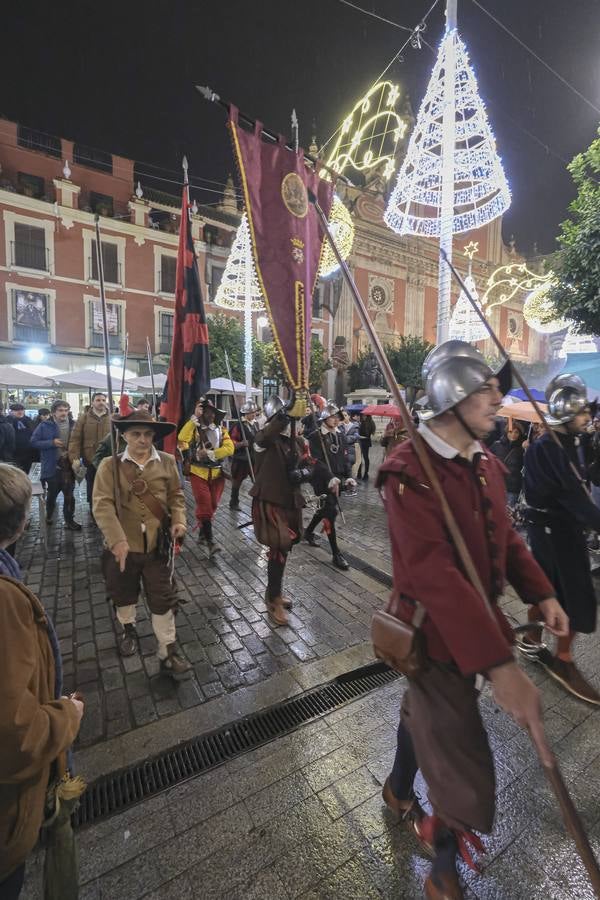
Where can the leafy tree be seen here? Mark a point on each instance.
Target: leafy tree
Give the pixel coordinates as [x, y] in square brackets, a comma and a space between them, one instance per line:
[319, 363]
[406, 358]
[577, 294]
[226, 333]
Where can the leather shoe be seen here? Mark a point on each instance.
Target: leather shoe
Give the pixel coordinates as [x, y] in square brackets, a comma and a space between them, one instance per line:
[449, 887]
[409, 811]
[175, 666]
[128, 641]
[277, 612]
[339, 561]
[72, 525]
[311, 539]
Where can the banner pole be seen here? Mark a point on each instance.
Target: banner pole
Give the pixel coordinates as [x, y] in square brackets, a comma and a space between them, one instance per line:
[151, 371]
[237, 415]
[113, 431]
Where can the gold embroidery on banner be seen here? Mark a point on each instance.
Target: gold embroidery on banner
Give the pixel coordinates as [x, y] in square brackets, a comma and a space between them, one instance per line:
[300, 332]
[294, 195]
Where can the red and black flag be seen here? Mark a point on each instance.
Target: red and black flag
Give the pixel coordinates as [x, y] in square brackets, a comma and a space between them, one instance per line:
[188, 377]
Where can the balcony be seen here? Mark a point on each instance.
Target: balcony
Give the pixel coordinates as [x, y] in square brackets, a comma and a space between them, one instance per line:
[96, 341]
[29, 256]
[112, 270]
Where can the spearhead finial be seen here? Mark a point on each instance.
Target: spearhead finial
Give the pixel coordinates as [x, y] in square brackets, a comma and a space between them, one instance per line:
[184, 166]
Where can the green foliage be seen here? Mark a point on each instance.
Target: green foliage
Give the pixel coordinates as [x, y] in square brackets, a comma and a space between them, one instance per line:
[577, 294]
[319, 363]
[406, 358]
[226, 333]
[355, 372]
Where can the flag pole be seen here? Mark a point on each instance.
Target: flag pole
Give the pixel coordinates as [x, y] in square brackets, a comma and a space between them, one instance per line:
[113, 433]
[151, 371]
[547, 759]
[237, 414]
[125, 353]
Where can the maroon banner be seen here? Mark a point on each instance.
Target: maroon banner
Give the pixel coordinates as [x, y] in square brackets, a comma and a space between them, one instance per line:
[286, 238]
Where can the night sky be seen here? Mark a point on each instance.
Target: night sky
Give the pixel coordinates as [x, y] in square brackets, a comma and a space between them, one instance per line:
[120, 76]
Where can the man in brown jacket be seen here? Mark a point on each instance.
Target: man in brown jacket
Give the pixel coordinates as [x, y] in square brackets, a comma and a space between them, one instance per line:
[90, 428]
[151, 501]
[282, 464]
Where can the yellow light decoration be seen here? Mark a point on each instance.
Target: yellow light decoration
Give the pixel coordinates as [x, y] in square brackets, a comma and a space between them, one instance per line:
[507, 282]
[369, 136]
[539, 311]
[342, 228]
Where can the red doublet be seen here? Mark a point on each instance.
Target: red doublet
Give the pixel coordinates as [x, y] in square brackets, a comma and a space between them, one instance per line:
[426, 567]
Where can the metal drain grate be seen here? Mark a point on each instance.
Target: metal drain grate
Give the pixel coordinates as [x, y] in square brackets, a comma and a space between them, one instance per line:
[119, 790]
[372, 571]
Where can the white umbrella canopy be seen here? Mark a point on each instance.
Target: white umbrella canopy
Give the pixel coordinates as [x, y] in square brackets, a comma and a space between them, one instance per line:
[145, 383]
[10, 376]
[95, 381]
[223, 386]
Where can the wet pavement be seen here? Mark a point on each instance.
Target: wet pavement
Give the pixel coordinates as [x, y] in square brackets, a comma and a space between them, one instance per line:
[222, 626]
[303, 817]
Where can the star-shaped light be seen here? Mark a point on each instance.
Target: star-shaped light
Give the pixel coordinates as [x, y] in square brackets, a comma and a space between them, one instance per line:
[346, 125]
[399, 132]
[393, 96]
[471, 249]
[389, 169]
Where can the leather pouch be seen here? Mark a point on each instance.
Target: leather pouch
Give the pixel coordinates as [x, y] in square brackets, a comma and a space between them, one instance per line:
[401, 645]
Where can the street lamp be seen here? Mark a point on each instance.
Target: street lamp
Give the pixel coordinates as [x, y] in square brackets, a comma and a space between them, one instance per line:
[35, 355]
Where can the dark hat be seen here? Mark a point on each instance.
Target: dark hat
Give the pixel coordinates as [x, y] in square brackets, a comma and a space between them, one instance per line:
[205, 403]
[139, 417]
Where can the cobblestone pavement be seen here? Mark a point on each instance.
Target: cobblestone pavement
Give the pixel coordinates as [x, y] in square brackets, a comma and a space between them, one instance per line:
[303, 817]
[222, 627]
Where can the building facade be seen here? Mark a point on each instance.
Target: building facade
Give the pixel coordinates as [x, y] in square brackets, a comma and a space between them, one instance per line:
[50, 192]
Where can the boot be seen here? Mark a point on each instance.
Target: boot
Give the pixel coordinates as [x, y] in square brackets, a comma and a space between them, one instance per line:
[287, 604]
[72, 525]
[234, 501]
[309, 533]
[276, 611]
[208, 537]
[336, 557]
[128, 642]
[175, 666]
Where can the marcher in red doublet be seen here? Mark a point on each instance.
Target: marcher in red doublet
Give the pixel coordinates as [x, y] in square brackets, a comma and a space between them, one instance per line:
[441, 731]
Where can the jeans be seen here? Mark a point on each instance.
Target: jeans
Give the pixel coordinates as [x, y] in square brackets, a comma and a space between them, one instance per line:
[63, 481]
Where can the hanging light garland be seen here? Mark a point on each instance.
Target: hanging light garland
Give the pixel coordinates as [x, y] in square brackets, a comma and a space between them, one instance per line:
[539, 311]
[342, 229]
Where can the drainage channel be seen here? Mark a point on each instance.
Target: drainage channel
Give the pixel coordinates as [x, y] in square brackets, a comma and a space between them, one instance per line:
[117, 791]
[367, 569]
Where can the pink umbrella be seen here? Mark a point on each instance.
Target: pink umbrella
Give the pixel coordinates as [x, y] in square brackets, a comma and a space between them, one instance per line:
[385, 410]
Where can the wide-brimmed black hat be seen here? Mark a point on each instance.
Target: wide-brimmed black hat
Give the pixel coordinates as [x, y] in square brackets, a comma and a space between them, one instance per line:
[141, 417]
[205, 403]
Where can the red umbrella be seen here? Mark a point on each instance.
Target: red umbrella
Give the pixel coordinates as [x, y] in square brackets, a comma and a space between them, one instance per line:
[385, 410]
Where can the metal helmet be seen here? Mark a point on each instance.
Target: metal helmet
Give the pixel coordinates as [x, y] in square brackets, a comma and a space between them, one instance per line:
[445, 351]
[567, 397]
[452, 381]
[248, 407]
[565, 380]
[330, 409]
[272, 406]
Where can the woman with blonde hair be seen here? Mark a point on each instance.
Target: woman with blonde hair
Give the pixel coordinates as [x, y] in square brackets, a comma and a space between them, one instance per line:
[37, 723]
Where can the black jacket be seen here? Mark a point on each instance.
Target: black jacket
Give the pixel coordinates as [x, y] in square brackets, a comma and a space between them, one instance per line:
[330, 453]
[7, 441]
[550, 484]
[511, 454]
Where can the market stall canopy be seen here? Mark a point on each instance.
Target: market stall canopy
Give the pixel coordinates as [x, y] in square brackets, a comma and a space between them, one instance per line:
[519, 394]
[522, 411]
[95, 381]
[11, 376]
[145, 382]
[223, 386]
[386, 410]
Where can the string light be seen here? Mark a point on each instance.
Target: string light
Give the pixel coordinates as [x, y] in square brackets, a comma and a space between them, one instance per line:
[480, 189]
[369, 136]
[539, 311]
[239, 289]
[465, 324]
[342, 229]
[508, 282]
